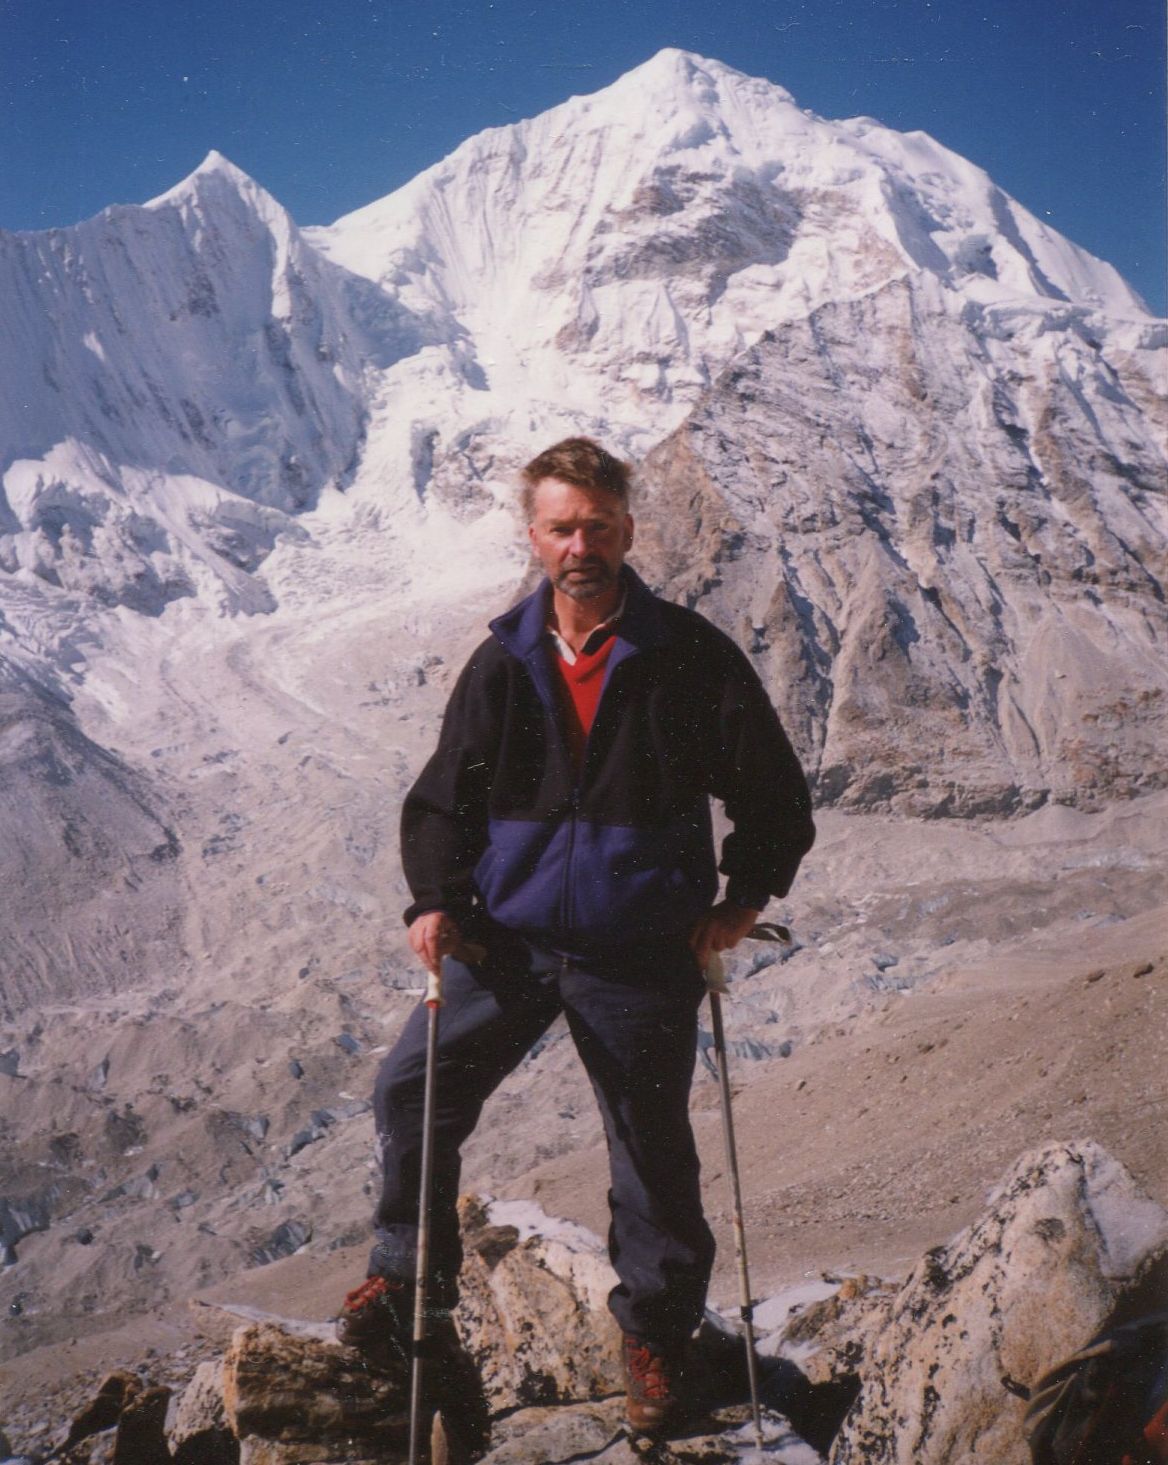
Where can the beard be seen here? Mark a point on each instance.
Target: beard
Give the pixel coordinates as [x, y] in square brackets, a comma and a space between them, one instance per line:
[585, 579]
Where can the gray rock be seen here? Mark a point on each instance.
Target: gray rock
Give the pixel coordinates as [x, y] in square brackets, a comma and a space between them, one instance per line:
[302, 1139]
[287, 1238]
[124, 1131]
[20, 1216]
[254, 1126]
[983, 1318]
[338, 1113]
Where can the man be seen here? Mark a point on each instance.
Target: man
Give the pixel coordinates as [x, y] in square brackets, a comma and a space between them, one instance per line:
[563, 828]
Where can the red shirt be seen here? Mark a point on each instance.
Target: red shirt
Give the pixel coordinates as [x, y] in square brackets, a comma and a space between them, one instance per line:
[580, 685]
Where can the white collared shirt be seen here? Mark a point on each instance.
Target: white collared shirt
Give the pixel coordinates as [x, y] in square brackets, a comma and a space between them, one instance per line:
[605, 626]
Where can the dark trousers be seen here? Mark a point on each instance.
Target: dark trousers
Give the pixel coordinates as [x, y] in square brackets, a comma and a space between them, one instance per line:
[633, 1018]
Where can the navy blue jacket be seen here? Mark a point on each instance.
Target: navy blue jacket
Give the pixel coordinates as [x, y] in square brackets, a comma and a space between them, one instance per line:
[500, 822]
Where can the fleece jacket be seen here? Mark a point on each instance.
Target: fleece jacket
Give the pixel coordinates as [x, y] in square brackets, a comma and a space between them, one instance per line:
[503, 823]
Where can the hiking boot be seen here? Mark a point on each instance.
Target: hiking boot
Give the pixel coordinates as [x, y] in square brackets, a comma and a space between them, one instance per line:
[377, 1319]
[653, 1380]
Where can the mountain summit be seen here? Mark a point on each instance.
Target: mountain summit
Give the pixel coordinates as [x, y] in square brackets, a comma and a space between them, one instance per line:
[616, 251]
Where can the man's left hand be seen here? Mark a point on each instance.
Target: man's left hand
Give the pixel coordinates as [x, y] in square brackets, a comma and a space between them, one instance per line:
[721, 929]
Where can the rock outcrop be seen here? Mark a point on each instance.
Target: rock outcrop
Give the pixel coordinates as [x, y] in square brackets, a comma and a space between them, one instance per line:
[949, 1360]
[935, 1371]
[532, 1311]
[290, 1397]
[199, 1433]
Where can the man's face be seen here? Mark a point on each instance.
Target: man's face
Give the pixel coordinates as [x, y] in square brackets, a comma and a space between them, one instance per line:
[581, 536]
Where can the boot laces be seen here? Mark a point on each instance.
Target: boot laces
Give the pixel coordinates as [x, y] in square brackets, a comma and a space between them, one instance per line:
[370, 1292]
[649, 1370]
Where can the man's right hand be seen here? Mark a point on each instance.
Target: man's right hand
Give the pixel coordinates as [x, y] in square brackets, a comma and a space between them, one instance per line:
[434, 935]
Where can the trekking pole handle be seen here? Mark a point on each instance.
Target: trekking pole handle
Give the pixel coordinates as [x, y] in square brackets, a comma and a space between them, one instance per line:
[470, 952]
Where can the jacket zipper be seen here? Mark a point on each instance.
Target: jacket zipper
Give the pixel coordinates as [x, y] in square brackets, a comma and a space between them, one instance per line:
[567, 903]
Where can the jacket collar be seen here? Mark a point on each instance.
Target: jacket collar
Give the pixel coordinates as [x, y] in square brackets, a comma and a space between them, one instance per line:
[523, 629]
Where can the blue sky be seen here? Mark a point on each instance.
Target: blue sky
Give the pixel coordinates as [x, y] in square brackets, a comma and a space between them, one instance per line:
[333, 103]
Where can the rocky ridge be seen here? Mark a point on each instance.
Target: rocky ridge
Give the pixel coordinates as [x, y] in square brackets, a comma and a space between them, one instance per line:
[936, 1370]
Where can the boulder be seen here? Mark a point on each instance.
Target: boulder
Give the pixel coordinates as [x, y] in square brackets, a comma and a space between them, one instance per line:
[289, 1389]
[946, 1364]
[140, 1437]
[199, 1433]
[117, 1392]
[827, 1336]
[551, 1433]
[533, 1308]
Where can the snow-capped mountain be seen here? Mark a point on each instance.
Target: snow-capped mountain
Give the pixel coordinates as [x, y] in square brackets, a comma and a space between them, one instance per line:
[186, 374]
[603, 262]
[905, 441]
[626, 245]
[950, 517]
[181, 378]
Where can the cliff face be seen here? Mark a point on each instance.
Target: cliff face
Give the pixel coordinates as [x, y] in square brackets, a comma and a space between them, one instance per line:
[941, 533]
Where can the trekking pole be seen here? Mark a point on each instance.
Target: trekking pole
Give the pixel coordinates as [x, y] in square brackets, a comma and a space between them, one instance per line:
[716, 985]
[433, 1000]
